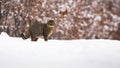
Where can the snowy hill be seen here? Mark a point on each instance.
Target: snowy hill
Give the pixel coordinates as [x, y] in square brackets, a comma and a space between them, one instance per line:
[18, 53]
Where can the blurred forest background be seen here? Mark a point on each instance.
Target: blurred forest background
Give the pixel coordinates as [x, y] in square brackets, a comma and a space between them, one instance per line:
[75, 19]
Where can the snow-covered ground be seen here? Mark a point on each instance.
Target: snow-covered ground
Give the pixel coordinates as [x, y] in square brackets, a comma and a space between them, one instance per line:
[18, 53]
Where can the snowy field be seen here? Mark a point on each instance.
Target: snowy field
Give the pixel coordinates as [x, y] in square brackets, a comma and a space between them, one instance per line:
[18, 53]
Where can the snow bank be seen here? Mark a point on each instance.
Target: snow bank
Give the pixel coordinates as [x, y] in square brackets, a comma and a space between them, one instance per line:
[18, 53]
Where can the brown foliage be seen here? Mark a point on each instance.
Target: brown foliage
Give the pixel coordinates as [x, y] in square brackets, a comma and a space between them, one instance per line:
[75, 19]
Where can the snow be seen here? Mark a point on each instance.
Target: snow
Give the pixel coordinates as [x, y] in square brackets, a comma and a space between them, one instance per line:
[18, 53]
